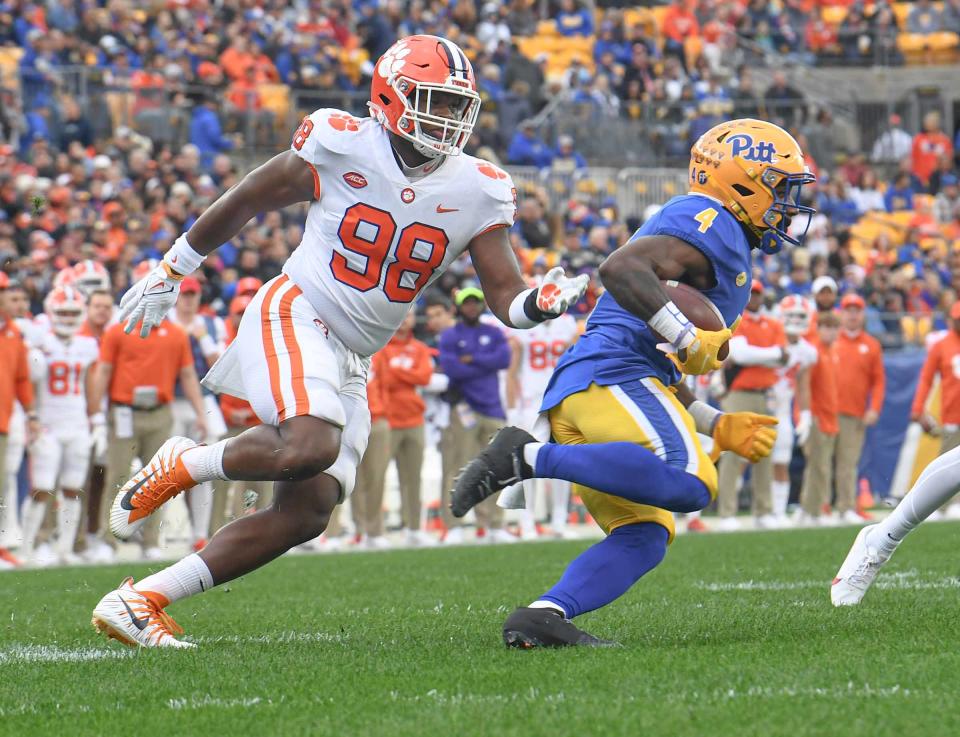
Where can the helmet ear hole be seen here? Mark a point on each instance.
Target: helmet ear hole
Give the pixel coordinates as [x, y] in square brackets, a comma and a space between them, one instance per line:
[384, 99]
[745, 191]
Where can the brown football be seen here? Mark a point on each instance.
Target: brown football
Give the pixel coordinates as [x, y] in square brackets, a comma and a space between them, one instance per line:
[697, 307]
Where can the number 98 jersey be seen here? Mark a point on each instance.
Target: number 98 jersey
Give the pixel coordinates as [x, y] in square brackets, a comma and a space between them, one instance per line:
[373, 238]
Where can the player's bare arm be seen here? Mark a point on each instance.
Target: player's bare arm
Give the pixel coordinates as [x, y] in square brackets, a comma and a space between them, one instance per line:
[284, 180]
[507, 294]
[632, 274]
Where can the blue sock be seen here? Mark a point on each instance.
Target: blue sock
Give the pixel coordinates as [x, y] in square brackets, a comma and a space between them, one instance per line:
[605, 571]
[624, 469]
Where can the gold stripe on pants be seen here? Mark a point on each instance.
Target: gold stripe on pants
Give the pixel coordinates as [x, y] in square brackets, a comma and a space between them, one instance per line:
[458, 446]
[151, 428]
[406, 449]
[731, 465]
[818, 473]
[849, 448]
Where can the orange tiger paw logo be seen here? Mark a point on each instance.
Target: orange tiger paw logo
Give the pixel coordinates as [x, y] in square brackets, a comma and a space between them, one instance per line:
[489, 170]
[548, 296]
[343, 122]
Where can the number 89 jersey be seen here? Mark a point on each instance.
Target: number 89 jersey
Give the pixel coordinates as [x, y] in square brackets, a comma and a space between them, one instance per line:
[374, 239]
[541, 348]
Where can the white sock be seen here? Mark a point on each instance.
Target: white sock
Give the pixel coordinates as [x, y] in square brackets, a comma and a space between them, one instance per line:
[936, 485]
[530, 451]
[528, 517]
[186, 578]
[33, 514]
[560, 498]
[68, 521]
[205, 462]
[200, 500]
[781, 496]
[543, 604]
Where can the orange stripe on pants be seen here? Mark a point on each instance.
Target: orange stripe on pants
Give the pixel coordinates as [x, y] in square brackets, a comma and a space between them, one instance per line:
[269, 348]
[293, 349]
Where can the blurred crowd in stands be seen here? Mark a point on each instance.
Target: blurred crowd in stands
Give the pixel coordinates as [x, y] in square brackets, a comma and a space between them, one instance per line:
[119, 125]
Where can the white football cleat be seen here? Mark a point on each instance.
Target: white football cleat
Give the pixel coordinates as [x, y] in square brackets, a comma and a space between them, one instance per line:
[133, 619]
[377, 542]
[152, 486]
[420, 539]
[727, 524]
[501, 536]
[858, 571]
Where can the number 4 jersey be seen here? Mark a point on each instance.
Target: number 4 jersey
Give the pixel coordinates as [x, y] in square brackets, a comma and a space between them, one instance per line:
[374, 239]
[618, 346]
[60, 370]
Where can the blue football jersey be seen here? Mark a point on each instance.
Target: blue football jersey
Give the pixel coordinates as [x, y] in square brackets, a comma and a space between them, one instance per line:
[618, 346]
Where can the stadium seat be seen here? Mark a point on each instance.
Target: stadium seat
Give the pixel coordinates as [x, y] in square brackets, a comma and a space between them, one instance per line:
[9, 62]
[547, 29]
[833, 15]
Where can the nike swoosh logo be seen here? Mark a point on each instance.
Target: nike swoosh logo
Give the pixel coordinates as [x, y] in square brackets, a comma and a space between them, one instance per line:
[139, 622]
[125, 502]
[174, 259]
[442, 210]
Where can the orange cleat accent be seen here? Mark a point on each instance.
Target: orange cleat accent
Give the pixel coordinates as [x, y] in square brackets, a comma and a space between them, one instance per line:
[697, 525]
[153, 486]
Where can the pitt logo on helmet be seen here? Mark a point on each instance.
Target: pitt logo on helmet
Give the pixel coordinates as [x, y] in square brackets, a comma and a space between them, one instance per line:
[743, 146]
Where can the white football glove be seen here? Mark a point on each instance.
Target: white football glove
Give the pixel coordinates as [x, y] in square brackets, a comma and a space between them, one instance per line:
[804, 424]
[558, 292]
[98, 434]
[149, 300]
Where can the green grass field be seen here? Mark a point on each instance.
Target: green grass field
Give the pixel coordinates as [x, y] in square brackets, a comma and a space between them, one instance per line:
[732, 635]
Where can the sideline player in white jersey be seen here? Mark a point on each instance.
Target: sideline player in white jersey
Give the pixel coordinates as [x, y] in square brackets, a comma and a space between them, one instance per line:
[60, 456]
[793, 382]
[535, 354]
[393, 203]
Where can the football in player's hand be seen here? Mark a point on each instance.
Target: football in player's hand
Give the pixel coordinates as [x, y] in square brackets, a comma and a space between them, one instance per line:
[698, 309]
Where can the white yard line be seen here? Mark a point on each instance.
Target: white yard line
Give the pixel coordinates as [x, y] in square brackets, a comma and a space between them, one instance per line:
[898, 580]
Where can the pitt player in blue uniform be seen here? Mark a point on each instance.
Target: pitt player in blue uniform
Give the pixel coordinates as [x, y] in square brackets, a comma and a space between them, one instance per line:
[624, 429]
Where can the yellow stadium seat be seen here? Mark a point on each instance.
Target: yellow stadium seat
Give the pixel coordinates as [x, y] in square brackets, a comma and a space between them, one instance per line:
[9, 62]
[547, 29]
[833, 15]
[901, 11]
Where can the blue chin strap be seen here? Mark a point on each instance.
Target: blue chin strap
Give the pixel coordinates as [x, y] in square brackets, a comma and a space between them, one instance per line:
[786, 206]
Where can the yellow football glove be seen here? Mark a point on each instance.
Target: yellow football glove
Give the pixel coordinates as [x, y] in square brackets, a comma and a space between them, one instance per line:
[747, 434]
[700, 357]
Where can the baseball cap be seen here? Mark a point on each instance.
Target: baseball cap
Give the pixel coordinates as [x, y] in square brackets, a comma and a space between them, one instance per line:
[248, 285]
[756, 286]
[469, 293]
[955, 311]
[852, 300]
[189, 285]
[240, 303]
[824, 282]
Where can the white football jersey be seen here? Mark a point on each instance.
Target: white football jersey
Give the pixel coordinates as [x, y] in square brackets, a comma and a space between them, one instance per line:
[802, 355]
[62, 384]
[375, 239]
[541, 348]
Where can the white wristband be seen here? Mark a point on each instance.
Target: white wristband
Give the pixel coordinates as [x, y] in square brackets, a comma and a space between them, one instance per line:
[704, 416]
[518, 315]
[182, 258]
[673, 326]
[98, 418]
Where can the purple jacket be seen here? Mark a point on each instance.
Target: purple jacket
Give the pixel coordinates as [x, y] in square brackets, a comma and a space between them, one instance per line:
[476, 380]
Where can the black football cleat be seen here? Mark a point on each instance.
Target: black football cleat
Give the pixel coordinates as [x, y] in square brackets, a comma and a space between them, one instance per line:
[528, 628]
[498, 466]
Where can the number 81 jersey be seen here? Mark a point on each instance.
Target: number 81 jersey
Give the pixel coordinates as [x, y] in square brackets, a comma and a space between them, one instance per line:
[373, 238]
[60, 371]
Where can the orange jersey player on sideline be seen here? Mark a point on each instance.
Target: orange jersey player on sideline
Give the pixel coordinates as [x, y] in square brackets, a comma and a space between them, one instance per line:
[393, 203]
[943, 358]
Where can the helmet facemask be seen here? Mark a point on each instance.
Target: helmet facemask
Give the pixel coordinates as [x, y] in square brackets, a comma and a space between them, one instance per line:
[435, 135]
[66, 320]
[785, 189]
[796, 322]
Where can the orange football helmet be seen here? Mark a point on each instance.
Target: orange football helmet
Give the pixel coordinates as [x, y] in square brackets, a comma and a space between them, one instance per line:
[89, 276]
[65, 307]
[756, 170]
[796, 312]
[406, 79]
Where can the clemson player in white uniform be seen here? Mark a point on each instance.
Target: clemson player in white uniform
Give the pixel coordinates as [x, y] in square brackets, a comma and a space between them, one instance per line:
[793, 383]
[393, 203]
[60, 456]
[535, 354]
